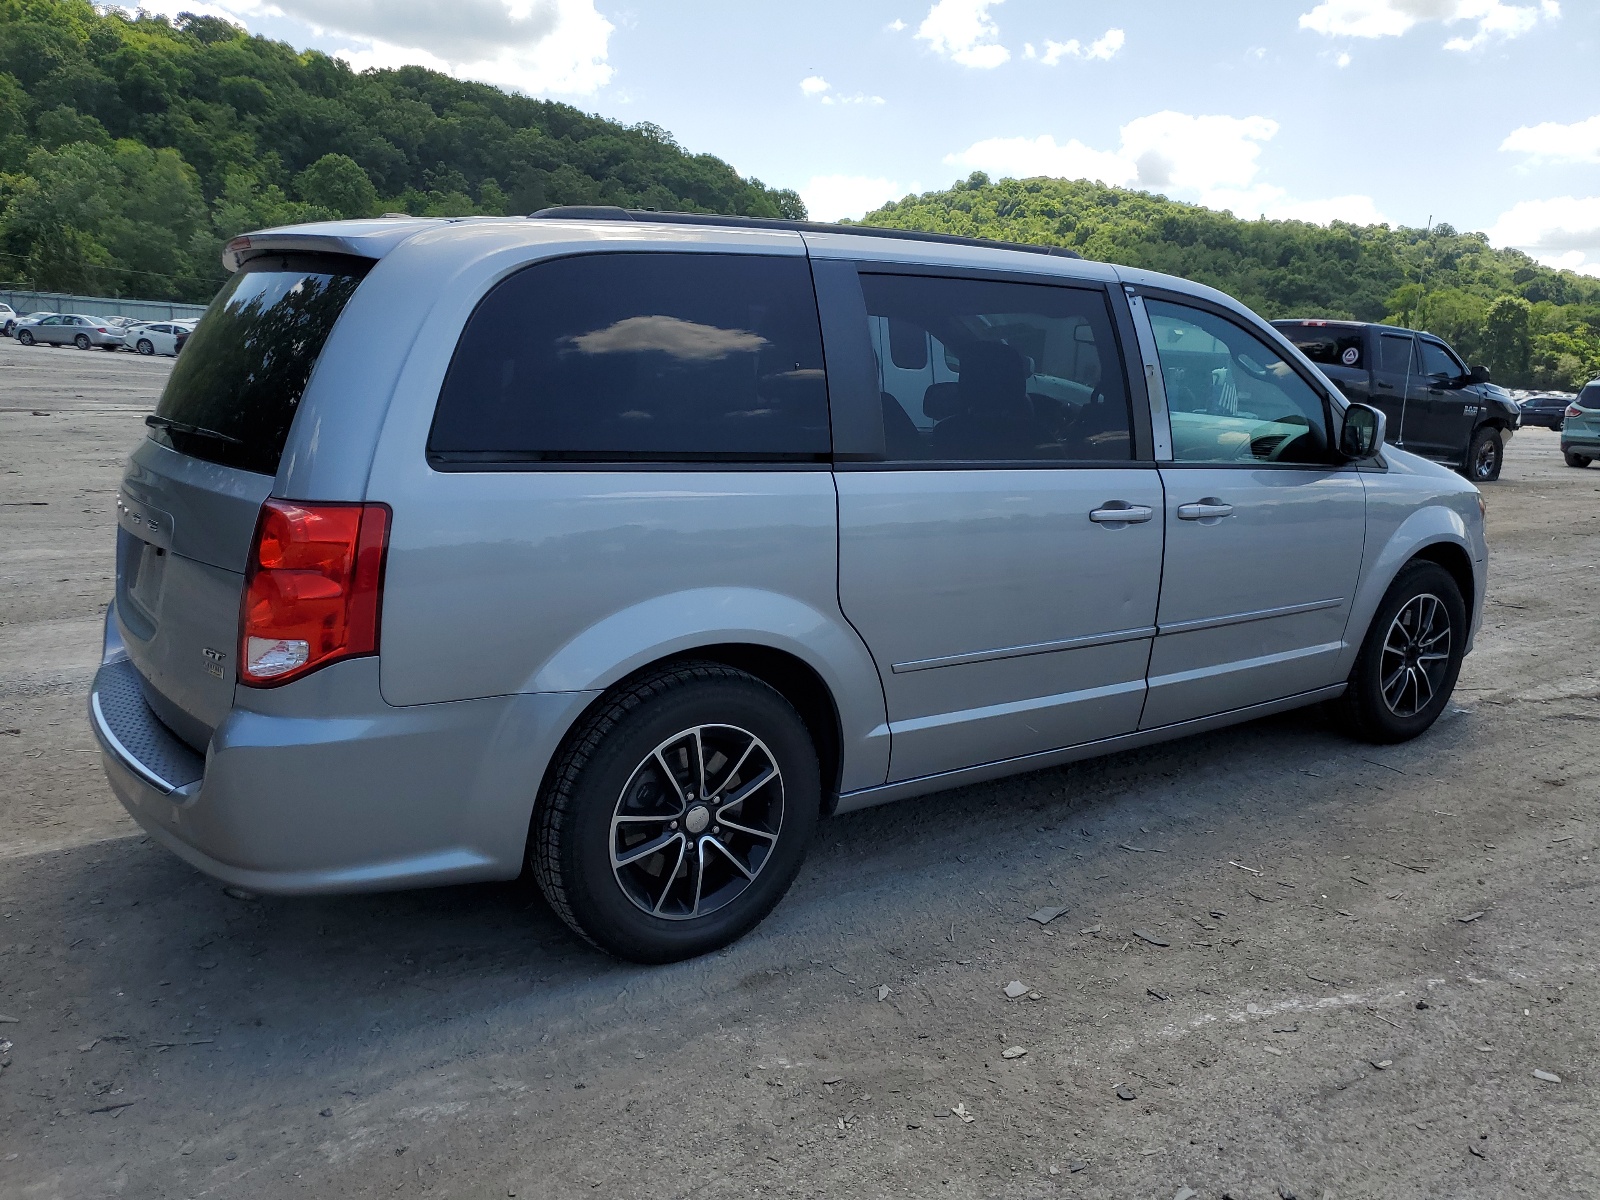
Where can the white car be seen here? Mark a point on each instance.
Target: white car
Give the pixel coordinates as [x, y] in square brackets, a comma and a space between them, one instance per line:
[8, 319]
[159, 338]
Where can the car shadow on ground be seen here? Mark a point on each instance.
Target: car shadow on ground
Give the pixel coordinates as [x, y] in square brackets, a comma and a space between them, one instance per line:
[130, 941]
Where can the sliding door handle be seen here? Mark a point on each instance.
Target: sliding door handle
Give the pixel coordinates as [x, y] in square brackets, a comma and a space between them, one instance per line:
[1208, 509]
[1120, 512]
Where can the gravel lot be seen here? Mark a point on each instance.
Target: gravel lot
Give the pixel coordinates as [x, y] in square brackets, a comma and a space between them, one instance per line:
[1322, 1019]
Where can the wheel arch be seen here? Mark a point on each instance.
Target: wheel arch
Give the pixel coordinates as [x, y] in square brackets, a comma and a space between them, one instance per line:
[1456, 561]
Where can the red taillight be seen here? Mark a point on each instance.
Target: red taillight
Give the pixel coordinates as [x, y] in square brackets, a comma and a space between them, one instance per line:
[312, 588]
[1574, 411]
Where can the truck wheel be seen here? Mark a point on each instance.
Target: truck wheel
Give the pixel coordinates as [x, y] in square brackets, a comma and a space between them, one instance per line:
[1410, 658]
[1485, 455]
[1576, 460]
[678, 815]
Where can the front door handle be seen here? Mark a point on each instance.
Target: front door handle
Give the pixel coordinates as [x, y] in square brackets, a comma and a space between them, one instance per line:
[1207, 509]
[1120, 512]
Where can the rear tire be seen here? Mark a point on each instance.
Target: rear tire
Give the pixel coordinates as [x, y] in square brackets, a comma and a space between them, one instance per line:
[628, 780]
[1576, 460]
[1485, 455]
[25, 337]
[1398, 687]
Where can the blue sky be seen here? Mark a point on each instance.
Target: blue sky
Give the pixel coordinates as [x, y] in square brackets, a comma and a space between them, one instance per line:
[1482, 113]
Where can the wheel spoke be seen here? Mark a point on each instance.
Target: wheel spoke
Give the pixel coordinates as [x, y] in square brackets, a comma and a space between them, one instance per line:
[734, 772]
[672, 877]
[699, 870]
[734, 825]
[748, 790]
[1389, 685]
[645, 849]
[700, 762]
[683, 801]
[727, 854]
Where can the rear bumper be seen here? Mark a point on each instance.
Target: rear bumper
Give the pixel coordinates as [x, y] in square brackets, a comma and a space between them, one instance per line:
[321, 787]
[1583, 443]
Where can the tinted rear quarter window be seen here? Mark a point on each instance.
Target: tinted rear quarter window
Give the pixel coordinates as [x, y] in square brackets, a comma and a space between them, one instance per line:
[233, 392]
[639, 357]
[1326, 345]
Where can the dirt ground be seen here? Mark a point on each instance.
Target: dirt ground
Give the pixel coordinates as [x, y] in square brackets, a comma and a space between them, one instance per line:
[1289, 964]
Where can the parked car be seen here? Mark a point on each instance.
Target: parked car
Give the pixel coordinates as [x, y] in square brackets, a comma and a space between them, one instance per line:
[639, 560]
[77, 330]
[8, 319]
[30, 319]
[1545, 408]
[1437, 406]
[159, 337]
[1580, 434]
[182, 331]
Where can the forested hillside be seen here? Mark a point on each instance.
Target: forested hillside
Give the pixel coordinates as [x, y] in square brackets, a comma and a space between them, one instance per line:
[1533, 326]
[131, 149]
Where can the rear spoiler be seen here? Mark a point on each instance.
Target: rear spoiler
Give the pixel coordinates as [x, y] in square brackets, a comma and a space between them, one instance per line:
[362, 239]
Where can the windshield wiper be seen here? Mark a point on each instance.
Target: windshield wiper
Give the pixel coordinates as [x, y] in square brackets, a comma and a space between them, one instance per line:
[156, 421]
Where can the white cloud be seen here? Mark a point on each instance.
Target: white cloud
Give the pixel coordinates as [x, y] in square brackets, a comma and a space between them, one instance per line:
[963, 32]
[1023, 158]
[816, 85]
[1394, 18]
[1211, 159]
[895, 26]
[829, 197]
[1563, 232]
[529, 45]
[1575, 143]
[1169, 151]
[1342, 61]
[1103, 47]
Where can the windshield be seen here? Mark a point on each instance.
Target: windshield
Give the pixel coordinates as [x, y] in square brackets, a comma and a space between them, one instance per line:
[232, 395]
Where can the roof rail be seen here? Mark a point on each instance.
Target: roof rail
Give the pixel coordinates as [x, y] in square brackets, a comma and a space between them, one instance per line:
[611, 212]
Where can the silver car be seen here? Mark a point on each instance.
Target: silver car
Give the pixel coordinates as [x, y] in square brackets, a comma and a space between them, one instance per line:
[626, 547]
[70, 329]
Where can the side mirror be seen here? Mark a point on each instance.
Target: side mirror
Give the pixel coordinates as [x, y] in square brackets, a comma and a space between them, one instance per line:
[1361, 434]
[1478, 374]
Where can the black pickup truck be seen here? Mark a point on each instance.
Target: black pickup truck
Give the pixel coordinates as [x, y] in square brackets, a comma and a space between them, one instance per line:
[1436, 406]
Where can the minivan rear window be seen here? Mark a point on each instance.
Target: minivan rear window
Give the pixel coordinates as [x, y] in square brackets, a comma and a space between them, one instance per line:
[638, 357]
[232, 395]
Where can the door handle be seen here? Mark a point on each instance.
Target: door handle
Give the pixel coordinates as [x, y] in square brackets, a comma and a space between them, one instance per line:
[1120, 512]
[1388, 387]
[1208, 509]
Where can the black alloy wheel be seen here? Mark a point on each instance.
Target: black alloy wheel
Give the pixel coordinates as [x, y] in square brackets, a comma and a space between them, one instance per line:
[1408, 663]
[677, 814]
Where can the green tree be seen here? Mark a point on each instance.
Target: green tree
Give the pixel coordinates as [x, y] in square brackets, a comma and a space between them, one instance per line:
[1507, 341]
[337, 183]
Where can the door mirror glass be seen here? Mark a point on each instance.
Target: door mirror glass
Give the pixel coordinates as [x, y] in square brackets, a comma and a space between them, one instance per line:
[1361, 435]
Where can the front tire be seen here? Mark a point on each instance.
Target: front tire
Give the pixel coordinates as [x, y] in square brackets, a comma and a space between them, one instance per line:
[1486, 455]
[1576, 460]
[1409, 661]
[146, 347]
[81, 341]
[678, 814]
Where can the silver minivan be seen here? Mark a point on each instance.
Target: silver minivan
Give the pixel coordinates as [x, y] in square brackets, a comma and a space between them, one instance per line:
[623, 547]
